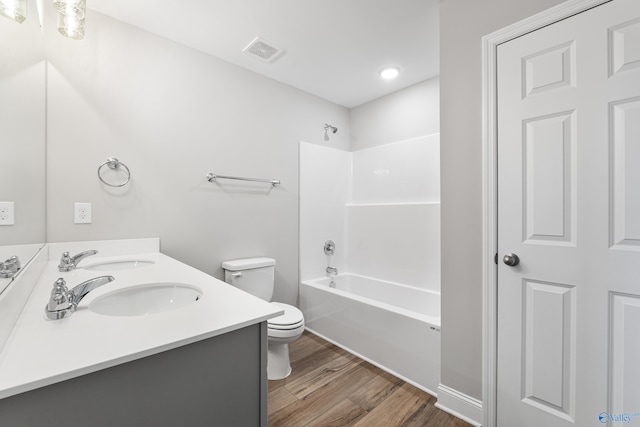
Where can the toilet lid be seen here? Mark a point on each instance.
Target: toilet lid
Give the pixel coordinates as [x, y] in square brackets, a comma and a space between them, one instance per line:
[292, 317]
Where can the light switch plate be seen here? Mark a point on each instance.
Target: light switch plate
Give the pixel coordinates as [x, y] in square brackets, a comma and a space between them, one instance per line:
[82, 213]
[7, 213]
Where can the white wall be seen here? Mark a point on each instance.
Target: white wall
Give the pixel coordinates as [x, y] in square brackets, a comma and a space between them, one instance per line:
[402, 115]
[172, 115]
[463, 23]
[22, 129]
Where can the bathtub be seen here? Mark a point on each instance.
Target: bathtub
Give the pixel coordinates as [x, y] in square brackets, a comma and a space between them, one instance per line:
[393, 326]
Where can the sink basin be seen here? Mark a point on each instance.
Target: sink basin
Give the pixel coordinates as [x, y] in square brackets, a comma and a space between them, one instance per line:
[119, 265]
[146, 299]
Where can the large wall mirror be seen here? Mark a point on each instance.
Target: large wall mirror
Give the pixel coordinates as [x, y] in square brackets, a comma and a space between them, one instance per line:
[22, 135]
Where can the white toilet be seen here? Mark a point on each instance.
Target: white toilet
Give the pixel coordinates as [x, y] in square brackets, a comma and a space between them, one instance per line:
[256, 276]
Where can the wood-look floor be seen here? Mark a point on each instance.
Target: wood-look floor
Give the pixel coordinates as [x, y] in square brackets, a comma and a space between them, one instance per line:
[330, 387]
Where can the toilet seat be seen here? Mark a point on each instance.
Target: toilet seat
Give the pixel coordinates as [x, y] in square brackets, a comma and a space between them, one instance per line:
[290, 320]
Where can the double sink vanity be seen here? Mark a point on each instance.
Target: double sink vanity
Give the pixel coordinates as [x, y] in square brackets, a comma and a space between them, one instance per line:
[144, 341]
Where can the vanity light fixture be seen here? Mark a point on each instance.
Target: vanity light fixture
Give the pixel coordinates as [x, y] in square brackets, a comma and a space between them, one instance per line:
[71, 7]
[14, 9]
[71, 15]
[71, 27]
[389, 73]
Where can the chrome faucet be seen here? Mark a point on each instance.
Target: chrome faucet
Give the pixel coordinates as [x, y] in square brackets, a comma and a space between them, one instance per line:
[10, 267]
[68, 263]
[63, 302]
[332, 271]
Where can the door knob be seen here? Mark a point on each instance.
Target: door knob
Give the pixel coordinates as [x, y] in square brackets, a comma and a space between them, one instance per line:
[511, 260]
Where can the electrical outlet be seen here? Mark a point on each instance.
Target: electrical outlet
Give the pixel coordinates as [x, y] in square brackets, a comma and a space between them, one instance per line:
[82, 213]
[6, 213]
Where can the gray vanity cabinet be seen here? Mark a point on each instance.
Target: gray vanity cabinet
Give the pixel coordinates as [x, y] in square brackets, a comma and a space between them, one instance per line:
[220, 381]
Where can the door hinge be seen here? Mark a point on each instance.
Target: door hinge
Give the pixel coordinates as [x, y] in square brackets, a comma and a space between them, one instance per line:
[495, 258]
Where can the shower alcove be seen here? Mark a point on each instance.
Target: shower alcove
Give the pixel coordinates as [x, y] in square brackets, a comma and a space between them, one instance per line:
[381, 207]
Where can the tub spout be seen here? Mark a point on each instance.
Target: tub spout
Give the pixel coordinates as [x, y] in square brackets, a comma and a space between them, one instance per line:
[332, 271]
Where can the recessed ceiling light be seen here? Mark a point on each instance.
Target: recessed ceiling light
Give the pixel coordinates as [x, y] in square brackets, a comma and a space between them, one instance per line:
[389, 73]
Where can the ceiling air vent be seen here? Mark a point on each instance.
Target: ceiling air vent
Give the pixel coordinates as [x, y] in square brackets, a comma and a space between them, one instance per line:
[263, 50]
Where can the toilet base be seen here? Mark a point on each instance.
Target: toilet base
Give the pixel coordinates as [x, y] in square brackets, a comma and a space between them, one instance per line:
[278, 365]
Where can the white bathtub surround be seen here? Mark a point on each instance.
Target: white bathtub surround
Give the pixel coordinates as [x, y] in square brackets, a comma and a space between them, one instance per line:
[87, 342]
[395, 242]
[380, 205]
[324, 192]
[394, 326]
[400, 172]
[393, 218]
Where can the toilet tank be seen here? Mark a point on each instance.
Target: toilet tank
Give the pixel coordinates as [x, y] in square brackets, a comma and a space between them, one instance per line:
[252, 275]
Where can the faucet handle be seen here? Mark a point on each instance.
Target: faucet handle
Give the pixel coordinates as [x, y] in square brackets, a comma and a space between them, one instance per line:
[329, 247]
[59, 285]
[66, 263]
[60, 295]
[61, 303]
[59, 288]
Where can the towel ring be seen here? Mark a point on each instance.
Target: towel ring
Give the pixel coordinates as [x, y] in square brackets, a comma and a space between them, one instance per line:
[114, 163]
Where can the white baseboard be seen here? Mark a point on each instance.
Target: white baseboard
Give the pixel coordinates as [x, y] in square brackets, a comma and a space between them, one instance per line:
[459, 405]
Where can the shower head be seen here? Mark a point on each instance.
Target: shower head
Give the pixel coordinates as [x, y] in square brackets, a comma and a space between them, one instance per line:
[326, 129]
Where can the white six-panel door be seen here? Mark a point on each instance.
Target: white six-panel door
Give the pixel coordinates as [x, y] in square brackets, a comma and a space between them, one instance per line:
[569, 208]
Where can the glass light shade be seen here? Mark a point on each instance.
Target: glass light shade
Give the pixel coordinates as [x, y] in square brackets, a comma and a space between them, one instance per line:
[14, 9]
[73, 8]
[71, 26]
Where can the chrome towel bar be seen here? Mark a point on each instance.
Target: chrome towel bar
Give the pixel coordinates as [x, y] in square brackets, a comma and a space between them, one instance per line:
[211, 177]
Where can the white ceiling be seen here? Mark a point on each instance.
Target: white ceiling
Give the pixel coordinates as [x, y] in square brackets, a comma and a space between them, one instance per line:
[333, 48]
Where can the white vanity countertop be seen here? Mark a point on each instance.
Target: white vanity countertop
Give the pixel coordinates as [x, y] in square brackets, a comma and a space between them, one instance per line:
[41, 352]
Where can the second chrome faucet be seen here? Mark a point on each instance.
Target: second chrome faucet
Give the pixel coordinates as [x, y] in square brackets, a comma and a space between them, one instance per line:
[68, 263]
[63, 302]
